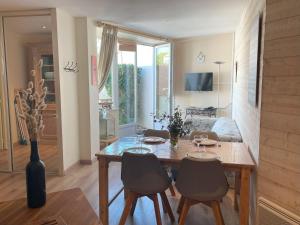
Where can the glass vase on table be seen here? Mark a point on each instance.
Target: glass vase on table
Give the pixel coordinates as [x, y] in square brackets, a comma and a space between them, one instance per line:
[197, 140]
[174, 137]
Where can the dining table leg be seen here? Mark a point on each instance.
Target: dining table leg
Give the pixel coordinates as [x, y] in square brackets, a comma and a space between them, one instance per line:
[103, 191]
[244, 196]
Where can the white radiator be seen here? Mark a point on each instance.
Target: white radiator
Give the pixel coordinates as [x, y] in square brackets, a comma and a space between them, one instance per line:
[271, 214]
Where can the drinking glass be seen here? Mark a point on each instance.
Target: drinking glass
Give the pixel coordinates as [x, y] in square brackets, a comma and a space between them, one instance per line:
[197, 140]
[204, 138]
[139, 133]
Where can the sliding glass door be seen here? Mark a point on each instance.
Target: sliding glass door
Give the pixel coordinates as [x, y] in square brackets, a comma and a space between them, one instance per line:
[127, 86]
[140, 80]
[136, 84]
[163, 103]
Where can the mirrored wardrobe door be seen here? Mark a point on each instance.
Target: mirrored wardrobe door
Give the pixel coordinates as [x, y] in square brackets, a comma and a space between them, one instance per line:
[28, 47]
[5, 153]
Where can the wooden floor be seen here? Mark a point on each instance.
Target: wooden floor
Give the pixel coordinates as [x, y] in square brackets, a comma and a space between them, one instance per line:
[12, 186]
[21, 154]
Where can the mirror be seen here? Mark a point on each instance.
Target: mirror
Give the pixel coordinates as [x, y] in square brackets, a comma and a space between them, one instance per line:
[4, 147]
[28, 46]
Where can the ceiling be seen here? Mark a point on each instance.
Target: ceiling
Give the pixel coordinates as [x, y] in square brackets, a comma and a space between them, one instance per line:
[169, 18]
[28, 24]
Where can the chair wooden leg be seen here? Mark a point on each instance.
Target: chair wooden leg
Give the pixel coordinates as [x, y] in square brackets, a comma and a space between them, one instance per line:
[133, 207]
[125, 193]
[171, 188]
[180, 205]
[129, 200]
[217, 212]
[184, 211]
[167, 206]
[156, 208]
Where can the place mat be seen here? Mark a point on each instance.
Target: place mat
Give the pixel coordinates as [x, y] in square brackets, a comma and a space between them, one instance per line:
[153, 139]
[138, 150]
[203, 155]
[207, 142]
[53, 220]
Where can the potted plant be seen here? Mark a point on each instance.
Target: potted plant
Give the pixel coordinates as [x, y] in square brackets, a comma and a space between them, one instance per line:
[33, 103]
[174, 124]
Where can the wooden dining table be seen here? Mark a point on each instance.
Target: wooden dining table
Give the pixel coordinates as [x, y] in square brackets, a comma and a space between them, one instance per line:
[234, 157]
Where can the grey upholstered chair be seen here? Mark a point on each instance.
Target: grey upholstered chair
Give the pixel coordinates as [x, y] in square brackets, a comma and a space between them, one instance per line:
[143, 175]
[201, 181]
[157, 133]
[163, 134]
[211, 135]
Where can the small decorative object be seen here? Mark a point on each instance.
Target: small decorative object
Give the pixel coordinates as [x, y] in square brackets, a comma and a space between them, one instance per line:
[254, 61]
[175, 125]
[71, 67]
[33, 103]
[201, 58]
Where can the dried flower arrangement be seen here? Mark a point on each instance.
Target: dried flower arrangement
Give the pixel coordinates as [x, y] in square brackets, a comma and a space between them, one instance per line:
[33, 102]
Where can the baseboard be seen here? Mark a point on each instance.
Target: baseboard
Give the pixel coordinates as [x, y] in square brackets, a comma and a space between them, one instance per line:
[86, 162]
[80, 162]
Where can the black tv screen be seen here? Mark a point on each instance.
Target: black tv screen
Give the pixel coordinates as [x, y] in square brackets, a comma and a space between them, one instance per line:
[199, 82]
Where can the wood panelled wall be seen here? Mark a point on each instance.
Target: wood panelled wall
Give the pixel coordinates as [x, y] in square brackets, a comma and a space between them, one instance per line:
[279, 158]
[246, 116]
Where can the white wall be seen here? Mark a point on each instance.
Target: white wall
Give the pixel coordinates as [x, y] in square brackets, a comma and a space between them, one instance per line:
[93, 90]
[65, 47]
[87, 93]
[216, 48]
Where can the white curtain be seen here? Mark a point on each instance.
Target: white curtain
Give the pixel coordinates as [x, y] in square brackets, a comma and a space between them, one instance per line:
[108, 44]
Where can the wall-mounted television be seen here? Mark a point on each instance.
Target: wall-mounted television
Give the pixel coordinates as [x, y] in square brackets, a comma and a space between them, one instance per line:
[199, 81]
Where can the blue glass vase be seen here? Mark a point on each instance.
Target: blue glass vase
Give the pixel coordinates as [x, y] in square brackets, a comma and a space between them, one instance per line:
[35, 179]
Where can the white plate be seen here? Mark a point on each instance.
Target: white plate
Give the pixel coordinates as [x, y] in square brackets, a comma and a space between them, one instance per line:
[138, 150]
[207, 142]
[153, 139]
[203, 155]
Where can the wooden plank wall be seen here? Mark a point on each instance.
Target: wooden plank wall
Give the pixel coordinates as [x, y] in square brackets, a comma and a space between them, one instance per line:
[247, 116]
[279, 158]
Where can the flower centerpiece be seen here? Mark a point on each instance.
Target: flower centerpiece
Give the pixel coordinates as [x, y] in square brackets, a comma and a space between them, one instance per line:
[174, 124]
[32, 104]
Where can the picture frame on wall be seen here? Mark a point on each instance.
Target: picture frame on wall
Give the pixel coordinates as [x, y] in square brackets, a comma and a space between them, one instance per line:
[254, 61]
